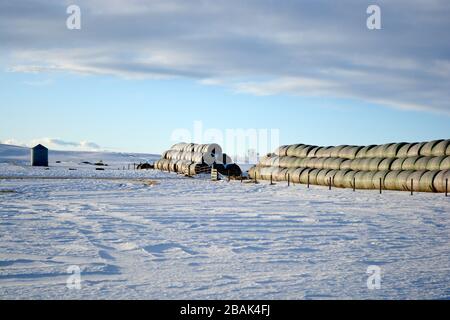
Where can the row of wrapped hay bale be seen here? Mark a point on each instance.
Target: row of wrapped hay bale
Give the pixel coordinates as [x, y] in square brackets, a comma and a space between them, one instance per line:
[434, 148]
[191, 159]
[421, 180]
[364, 164]
[421, 166]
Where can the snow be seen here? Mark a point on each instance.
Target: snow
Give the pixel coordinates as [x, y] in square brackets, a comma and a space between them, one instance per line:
[184, 238]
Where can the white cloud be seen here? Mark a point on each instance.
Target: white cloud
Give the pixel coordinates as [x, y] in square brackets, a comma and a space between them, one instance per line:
[13, 142]
[296, 86]
[55, 143]
[306, 48]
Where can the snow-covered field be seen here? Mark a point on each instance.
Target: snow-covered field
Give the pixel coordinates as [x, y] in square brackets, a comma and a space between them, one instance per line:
[152, 235]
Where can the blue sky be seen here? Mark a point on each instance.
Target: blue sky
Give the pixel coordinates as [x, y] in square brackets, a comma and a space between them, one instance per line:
[127, 85]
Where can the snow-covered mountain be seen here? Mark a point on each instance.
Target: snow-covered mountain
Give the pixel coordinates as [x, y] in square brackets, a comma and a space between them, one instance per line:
[21, 155]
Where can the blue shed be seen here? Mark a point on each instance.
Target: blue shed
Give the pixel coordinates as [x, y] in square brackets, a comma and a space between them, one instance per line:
[39, 156]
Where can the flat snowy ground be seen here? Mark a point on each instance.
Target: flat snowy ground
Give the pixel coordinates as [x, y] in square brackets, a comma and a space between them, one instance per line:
[186, 238]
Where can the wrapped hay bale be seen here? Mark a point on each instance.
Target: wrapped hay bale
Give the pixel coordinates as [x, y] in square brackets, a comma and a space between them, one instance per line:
[179, 146]
[290, 174]
[364, 164]
[339, 178]
[402, 182]
[435, 163]
[275, 161]
[326, 152]
[333, 163]
[440, 148]
[319, 152]
[348, 180]
[336, 150]
[196, 157]
[264, 173]
[393, 149]
[426, 183]
[375, 163]
[313, 176]
[280, 174]
[299, 162]
[172, 165]
[291, 150]
[312, 163]
[304, 175]
[414, 151]
[427, 149]
[284, 162]
[422, 163]
[373, 152]
[390, 180]
[185, 167]
[302, 152]
[383, 150]
[415, 178]
[376, 179]
[439, 181]
[266, 161]
[363, 152]
[320, 178]
[166, 165]
[367, 179]
[312, 153]
[302, 162]
[282, 151]
[296, 174]
[320, 163]
[346, 165]
[355, 164]
[331, 175]
[360, 180]
[349, 152]
[386, 164]
[445, 164]
[409, 163]
[403, 151]
[397, 164]
[156, 164]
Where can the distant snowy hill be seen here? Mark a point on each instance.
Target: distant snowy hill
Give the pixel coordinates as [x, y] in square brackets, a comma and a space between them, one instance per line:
[21, 155]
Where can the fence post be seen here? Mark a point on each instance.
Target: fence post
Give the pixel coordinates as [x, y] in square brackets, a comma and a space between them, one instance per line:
[412, 186]
[354, 184]
[308, 179]
[289, 180]
[329, 183]
[446, 187]
[381, 190]
[271, 180]
[189, 171]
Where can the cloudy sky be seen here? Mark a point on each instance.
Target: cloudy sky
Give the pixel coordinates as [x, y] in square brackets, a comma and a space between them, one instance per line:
[138, 70]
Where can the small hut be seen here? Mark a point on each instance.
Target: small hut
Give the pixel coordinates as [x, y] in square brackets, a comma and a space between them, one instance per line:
[39, 156]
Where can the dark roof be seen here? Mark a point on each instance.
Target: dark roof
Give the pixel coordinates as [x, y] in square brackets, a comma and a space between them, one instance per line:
[40, 146]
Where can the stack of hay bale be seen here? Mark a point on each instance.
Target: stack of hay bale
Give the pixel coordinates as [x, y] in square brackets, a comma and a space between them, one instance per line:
[391, 166]
[191, 159]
